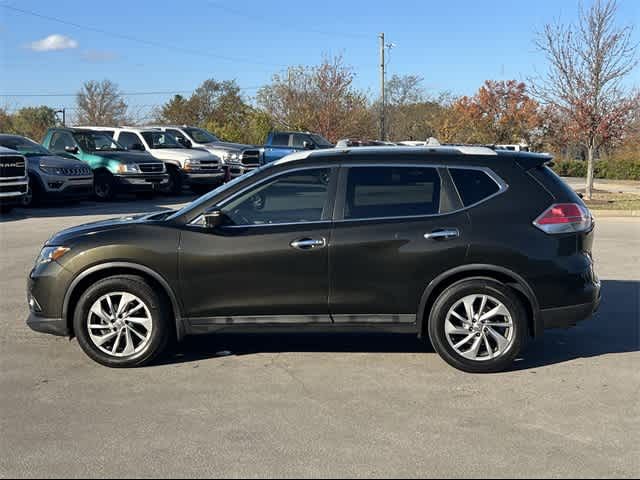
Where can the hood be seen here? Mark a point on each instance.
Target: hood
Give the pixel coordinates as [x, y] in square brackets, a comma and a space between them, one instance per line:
[64, 237]
[54, 161]
[126, 157]
[181, 154]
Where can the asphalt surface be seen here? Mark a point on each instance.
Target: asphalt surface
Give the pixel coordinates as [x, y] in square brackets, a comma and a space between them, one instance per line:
[287, 405]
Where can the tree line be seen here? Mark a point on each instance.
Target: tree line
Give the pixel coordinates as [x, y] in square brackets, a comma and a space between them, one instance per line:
[579, 107]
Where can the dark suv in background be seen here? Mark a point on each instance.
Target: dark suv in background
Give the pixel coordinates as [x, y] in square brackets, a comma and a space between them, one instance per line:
[475, 249]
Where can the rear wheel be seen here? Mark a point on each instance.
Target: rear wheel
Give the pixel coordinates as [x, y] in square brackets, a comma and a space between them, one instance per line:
[103, 186]
[478, 326]
[122, 322]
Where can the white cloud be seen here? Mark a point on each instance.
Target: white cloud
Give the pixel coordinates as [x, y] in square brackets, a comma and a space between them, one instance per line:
[53, 43]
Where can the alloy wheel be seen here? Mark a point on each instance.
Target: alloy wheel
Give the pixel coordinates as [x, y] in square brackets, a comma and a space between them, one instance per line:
[119, 324]
[479, 328]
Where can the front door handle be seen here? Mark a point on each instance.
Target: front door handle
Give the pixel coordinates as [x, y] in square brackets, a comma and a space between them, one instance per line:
[309, 243]
[443, 234]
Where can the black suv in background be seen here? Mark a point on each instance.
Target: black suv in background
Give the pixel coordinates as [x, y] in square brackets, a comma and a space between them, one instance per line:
[476, 249]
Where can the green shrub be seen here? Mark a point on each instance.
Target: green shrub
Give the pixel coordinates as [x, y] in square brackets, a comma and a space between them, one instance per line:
[609, 169]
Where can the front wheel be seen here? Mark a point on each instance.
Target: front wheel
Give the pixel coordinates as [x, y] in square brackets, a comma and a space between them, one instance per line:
[103, 186]
[478, 326]
[122, 322]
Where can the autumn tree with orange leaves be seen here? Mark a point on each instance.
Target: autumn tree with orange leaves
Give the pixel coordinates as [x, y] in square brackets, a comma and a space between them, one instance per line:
[500, 112]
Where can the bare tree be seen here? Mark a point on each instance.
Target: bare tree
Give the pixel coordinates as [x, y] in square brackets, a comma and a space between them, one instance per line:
[101, 104]
[588, 62]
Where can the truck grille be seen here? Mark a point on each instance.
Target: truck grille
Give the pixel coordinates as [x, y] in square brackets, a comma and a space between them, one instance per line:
[12, 166]
[151, 167]
[209, 165]
[251, 159]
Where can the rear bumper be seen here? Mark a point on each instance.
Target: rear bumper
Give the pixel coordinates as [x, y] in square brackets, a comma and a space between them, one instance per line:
[570, 316]
[52, 326]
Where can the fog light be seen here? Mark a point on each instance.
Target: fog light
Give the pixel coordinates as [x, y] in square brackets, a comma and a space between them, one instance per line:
[55, 184]
[34, 305]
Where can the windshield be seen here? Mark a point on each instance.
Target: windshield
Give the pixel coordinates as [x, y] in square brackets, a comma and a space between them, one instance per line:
[320, 141]
[195, 205]
[24, 146]
[201, 136]
[161, 140]
[96, 142]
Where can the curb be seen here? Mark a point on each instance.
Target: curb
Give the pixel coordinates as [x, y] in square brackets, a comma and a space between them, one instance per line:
[615, 213]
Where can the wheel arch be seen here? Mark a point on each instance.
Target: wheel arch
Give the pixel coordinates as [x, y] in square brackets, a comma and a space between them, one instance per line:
[479, 271]
[97, 272]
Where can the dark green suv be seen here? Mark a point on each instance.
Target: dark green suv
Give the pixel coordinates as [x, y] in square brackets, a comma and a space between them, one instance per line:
[115, 169]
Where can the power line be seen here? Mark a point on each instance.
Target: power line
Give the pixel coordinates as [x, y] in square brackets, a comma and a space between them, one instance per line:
[288, 26]
[126, 94]
[149, 43]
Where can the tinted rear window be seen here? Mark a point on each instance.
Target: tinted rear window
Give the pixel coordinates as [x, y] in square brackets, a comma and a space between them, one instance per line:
[377, 192]
[473, 185]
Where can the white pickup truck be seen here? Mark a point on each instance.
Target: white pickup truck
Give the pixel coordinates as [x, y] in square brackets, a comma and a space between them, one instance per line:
[14, 181]
[197, 168]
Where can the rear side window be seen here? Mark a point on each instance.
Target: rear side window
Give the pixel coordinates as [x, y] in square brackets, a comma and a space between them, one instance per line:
[128, 140]
[378, 192]
[473, 185]
[280, 140]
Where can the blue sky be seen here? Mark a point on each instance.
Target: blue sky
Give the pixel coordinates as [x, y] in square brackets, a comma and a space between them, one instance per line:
[173, 46]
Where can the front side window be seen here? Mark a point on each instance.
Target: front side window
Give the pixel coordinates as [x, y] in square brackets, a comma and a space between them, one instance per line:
[381, 192]
[128, 140]
[161, 140]
[473, 185]
[298, 140]
[96, 142]
[296, 197]
[60, 141]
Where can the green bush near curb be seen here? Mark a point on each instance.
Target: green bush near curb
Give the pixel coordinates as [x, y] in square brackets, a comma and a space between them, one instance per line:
[609, 169]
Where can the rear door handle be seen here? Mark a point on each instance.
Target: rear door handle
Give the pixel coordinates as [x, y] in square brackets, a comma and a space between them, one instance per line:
[309, 243]
[443, 234]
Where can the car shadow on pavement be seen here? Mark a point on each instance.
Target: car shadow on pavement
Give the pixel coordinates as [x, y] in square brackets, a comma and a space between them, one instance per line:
[123, 205]
[615, 328]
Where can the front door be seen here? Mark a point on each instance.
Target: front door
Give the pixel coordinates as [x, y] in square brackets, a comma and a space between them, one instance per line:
[391, 239]
[269, 262]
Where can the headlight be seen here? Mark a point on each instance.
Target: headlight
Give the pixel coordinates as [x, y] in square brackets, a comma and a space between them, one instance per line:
[231, 157]
[50, 170]
[189, 164]
[129, 168]
[51, 254]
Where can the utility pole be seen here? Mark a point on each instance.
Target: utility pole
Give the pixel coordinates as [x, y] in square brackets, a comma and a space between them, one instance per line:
[64, 116]
[382, 93]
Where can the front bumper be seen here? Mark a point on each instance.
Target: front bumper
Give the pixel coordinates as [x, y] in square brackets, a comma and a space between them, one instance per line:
[237, 170]
[52, 326]
[11, 192]
[200, 178]
[141, 183]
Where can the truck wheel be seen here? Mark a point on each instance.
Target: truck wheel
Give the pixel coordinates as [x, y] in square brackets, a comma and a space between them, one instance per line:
[174, 187]
[103, 186]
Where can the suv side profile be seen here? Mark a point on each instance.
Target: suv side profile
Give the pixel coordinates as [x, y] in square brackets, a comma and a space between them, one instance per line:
[477, 250]
[114, 169]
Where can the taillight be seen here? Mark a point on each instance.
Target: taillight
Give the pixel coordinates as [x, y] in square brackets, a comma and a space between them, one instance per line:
[564, 218]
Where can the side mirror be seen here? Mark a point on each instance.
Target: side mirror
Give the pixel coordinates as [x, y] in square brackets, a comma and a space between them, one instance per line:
[308, 145]
[186, 143]
[73, 149]
[214, 219]
[137, 146]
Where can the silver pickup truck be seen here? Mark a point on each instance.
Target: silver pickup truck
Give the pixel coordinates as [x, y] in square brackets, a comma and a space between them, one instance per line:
[14, 181]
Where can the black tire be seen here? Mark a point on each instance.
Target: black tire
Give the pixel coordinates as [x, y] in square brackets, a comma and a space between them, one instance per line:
[156, 304]
[103, 186]
[174, 187]
[33, 197]
[495, 290]
[6, 208]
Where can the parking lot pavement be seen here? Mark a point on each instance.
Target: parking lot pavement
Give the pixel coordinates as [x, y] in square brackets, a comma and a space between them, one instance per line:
[319, 405]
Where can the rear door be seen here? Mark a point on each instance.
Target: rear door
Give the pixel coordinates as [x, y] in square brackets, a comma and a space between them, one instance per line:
[392, 236]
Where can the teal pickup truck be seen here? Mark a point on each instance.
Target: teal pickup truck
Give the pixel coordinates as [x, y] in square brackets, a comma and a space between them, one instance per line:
[281, 144]
[114, 168]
